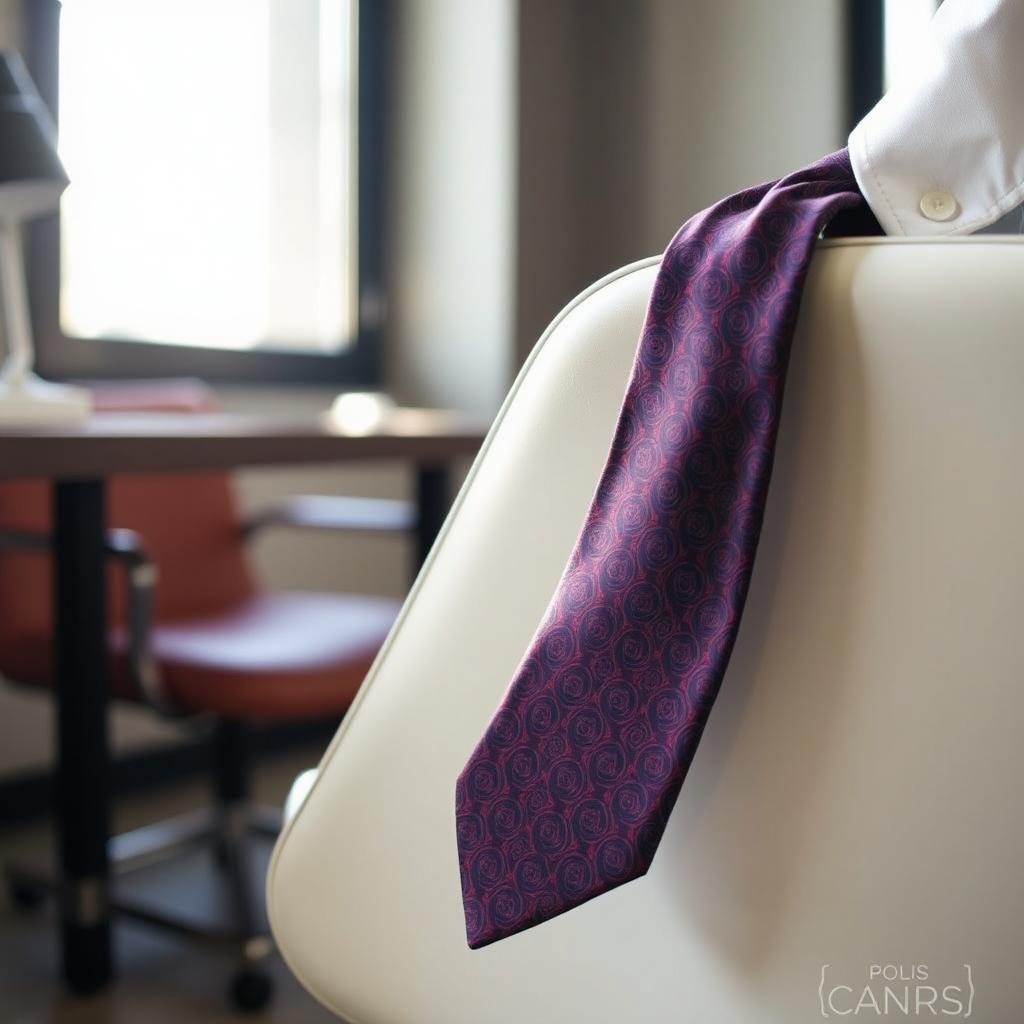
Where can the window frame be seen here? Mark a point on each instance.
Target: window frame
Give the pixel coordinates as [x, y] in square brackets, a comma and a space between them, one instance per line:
[359, 364]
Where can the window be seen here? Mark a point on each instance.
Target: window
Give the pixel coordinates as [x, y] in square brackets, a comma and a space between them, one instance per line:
[884, 40]
[906, 22]
[223, 212]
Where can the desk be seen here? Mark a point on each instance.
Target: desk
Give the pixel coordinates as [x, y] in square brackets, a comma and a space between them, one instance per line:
[79, 459]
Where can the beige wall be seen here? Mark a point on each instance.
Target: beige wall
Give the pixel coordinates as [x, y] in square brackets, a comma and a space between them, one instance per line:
[10, 24]
[633, 116]
[452, 202]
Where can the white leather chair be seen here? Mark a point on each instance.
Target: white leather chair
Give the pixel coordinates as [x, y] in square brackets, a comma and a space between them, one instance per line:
[856, 800]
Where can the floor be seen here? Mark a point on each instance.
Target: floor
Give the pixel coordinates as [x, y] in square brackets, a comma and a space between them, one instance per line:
[162, 980]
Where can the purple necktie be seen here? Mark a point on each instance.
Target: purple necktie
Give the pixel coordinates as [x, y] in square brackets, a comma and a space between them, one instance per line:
[568, 792]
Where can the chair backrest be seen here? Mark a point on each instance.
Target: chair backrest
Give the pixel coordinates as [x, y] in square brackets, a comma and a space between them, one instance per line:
[855, 798]
[189, 526]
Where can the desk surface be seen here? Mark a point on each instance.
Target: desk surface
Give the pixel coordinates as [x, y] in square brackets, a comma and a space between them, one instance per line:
[112, 443]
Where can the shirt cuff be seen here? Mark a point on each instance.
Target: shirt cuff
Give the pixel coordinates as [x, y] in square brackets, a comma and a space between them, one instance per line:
[943, 152]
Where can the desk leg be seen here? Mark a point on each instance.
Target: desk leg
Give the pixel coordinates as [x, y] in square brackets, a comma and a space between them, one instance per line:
[433, 496]
[83, 785]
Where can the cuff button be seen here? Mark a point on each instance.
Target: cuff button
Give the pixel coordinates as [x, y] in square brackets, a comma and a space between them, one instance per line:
[938, 205]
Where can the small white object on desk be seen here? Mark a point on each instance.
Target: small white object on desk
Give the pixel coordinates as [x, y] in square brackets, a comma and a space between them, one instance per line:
[360, 412]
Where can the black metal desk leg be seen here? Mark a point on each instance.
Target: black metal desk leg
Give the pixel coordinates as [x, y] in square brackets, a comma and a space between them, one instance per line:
[83, 785]
[432, 496]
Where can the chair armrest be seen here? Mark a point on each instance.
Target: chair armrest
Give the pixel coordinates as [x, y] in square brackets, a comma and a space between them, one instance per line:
[123, 545]
[126, 549]
[25, 540]
[332, 512]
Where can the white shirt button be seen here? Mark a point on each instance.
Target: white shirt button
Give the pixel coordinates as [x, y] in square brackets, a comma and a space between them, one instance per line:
[938, 205]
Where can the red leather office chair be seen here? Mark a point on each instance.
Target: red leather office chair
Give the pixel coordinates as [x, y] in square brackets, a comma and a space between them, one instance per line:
[193, 634]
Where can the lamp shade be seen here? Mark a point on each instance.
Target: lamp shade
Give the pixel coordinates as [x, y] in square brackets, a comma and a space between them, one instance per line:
[32, 177]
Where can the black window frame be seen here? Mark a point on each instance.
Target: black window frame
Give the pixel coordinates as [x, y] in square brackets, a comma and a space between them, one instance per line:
[358, 365]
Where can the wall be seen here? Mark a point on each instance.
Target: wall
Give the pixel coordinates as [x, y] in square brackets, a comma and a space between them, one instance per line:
[453, 195]
[633, 116]
[10, 24]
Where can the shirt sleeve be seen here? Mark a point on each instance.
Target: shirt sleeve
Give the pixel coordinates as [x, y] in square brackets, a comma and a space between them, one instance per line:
[943, 152]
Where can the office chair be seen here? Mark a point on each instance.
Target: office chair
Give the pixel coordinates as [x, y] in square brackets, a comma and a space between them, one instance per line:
[193, 634]
[855, 799]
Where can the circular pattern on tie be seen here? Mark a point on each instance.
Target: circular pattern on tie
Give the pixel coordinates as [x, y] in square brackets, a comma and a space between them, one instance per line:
[532, 874]
[607, 765]
[630, 802]
[657, 549]
[541, 716]
[590, 820]
[617, 571]
[470, 830]
[566, 779]
[574, 686]
[642, 602]
[487, 868]
[551, 832]
[596, 631]
[618, 701]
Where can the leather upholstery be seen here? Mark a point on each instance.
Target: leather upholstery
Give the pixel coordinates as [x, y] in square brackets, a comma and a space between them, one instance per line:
[273, 656]
[854, 799]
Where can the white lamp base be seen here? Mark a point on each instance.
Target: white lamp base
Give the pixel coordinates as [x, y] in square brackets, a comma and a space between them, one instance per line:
[26, 399]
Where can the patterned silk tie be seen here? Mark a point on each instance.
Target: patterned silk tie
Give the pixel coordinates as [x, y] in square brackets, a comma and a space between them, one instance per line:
[568, 792]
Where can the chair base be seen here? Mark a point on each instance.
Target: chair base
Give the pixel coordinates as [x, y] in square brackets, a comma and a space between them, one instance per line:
[226, 830]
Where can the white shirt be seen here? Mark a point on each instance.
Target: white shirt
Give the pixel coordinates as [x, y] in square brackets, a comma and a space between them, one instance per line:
[943, 152]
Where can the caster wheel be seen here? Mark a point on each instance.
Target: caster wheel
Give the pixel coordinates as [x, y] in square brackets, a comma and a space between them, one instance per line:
[24, 897]
[251, 990]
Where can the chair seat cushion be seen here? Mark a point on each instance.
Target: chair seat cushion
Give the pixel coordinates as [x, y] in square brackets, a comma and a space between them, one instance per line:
[292, 655]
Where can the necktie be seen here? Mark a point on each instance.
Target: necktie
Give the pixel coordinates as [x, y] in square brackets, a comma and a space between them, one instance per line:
[568, 791]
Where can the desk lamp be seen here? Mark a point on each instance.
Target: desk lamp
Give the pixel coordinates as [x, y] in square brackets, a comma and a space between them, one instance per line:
[31, 182]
